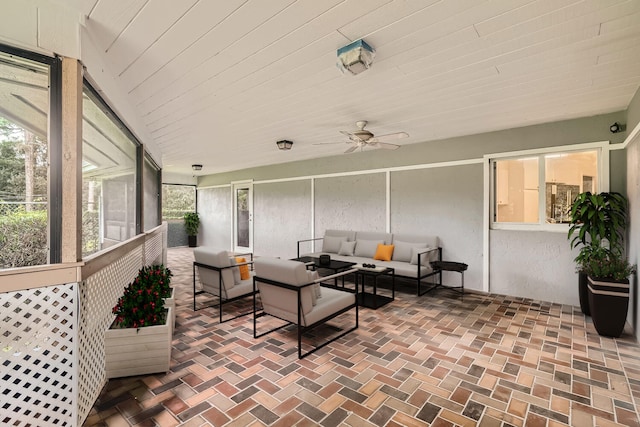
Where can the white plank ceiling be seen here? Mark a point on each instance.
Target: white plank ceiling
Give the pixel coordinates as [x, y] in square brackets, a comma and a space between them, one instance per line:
[219, 82]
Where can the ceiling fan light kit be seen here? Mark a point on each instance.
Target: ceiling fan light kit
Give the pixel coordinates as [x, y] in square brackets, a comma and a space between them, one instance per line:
[355, 57]
[362, 138]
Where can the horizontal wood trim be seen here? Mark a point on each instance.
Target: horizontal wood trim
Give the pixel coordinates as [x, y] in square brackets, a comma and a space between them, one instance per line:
[22, 278]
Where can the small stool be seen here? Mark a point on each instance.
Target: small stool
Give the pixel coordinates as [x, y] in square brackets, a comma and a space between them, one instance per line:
[450, 266]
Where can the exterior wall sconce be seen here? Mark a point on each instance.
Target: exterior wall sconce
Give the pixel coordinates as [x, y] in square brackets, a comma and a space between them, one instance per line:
[284, 145]
[617, 127]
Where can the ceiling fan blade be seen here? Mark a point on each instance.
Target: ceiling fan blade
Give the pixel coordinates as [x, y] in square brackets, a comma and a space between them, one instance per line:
[331, 143]
[389, 137]
[351, 149]
[345, 133]
[386, 146]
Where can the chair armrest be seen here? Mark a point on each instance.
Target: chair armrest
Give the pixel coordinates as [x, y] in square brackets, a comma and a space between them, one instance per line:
[307, 240]
[333, 276]
[426, 261]
[210, 267]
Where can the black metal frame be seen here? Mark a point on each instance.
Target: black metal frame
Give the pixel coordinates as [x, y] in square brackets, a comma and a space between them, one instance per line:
[307, 240]
[221, 299]
[300, 328]
[440, 269]
[433, 273]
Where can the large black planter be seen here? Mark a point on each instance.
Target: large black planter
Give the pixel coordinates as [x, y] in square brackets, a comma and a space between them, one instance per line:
[193, 241]
[609, 302]
[583, 293]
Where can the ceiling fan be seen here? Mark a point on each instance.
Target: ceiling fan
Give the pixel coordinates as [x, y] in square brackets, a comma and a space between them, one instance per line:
[362, 138]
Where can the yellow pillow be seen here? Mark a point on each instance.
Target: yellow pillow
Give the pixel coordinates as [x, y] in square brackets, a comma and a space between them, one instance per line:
[244, 269]
[383, 252]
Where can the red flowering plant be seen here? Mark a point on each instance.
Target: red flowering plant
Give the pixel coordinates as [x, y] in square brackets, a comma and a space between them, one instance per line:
[142, 303]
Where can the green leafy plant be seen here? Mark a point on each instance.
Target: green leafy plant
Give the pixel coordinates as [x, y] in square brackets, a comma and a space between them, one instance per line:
[597, 219]
[191, 223]
[604, 264]
[23, 239]
[142, 302]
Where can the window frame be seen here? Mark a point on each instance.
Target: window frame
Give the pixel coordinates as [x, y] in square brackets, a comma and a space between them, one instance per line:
[602, 148]
[54, 141]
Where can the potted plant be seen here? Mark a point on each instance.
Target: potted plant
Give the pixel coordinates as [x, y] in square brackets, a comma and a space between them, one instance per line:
[608, 290]
[191, 225]
[139, 340]
[596, 220]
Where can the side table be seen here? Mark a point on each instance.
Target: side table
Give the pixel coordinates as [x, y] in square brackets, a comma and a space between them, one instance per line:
[440, 266]
[373, 299]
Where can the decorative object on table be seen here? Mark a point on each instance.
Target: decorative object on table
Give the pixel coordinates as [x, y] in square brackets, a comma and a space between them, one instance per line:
[596, 220]
[191, 226]
[139, 340]
[325, 259]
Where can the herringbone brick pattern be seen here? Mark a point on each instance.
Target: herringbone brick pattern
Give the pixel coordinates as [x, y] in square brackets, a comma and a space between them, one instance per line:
[438, 360]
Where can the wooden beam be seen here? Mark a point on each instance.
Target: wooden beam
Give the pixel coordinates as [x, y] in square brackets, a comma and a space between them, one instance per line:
[71, 160]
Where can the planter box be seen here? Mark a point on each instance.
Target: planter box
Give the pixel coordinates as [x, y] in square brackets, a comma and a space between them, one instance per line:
[133, 351]
[608, 302]
[170, 303]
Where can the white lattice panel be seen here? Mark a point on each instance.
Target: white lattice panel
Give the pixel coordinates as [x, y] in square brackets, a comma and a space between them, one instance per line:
[98, 294]
[36, 356]
[153, 250]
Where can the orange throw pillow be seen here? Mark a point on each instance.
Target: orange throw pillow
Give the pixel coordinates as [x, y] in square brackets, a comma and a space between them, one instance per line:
[383, 252]
[244, 269]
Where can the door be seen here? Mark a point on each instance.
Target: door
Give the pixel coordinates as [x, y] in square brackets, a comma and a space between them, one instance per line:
[243, 217]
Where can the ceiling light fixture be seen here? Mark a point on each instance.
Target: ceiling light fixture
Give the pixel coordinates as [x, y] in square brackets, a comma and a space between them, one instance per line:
[355, 57]
[196, 167]
[617, 127]
[284, 145]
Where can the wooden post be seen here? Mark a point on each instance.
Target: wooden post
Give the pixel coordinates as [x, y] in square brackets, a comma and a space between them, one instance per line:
[71, 160]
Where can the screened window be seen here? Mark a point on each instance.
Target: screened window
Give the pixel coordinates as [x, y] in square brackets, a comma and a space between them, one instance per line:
[109, 177]
[151, 174]
[25, 213]
[540, 189]
[177, 200]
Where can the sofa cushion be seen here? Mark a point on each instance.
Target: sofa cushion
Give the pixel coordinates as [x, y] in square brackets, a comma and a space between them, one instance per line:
[209, 278]
[347, 248]
[244, 269]
[424, 260]
[278, 301]
[402, 250]
[366, 248]
[332, 244]
[386, 238]
[383, 252]
[333, 300]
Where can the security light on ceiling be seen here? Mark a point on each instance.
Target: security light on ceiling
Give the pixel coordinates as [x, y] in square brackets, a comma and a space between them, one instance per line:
[355, 57]
[196, 167]
[284, 145]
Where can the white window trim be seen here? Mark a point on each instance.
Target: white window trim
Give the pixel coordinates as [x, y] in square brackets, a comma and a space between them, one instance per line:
[603, 182]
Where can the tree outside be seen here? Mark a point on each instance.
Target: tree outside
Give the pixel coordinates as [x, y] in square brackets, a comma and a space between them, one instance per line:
[23, 196]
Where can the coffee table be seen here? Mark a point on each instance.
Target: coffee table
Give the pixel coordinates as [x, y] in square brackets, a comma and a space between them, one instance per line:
[334, 265]
[372, 299]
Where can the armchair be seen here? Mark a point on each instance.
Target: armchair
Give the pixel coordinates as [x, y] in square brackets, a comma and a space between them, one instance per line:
[288, 291]
[216, 270]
